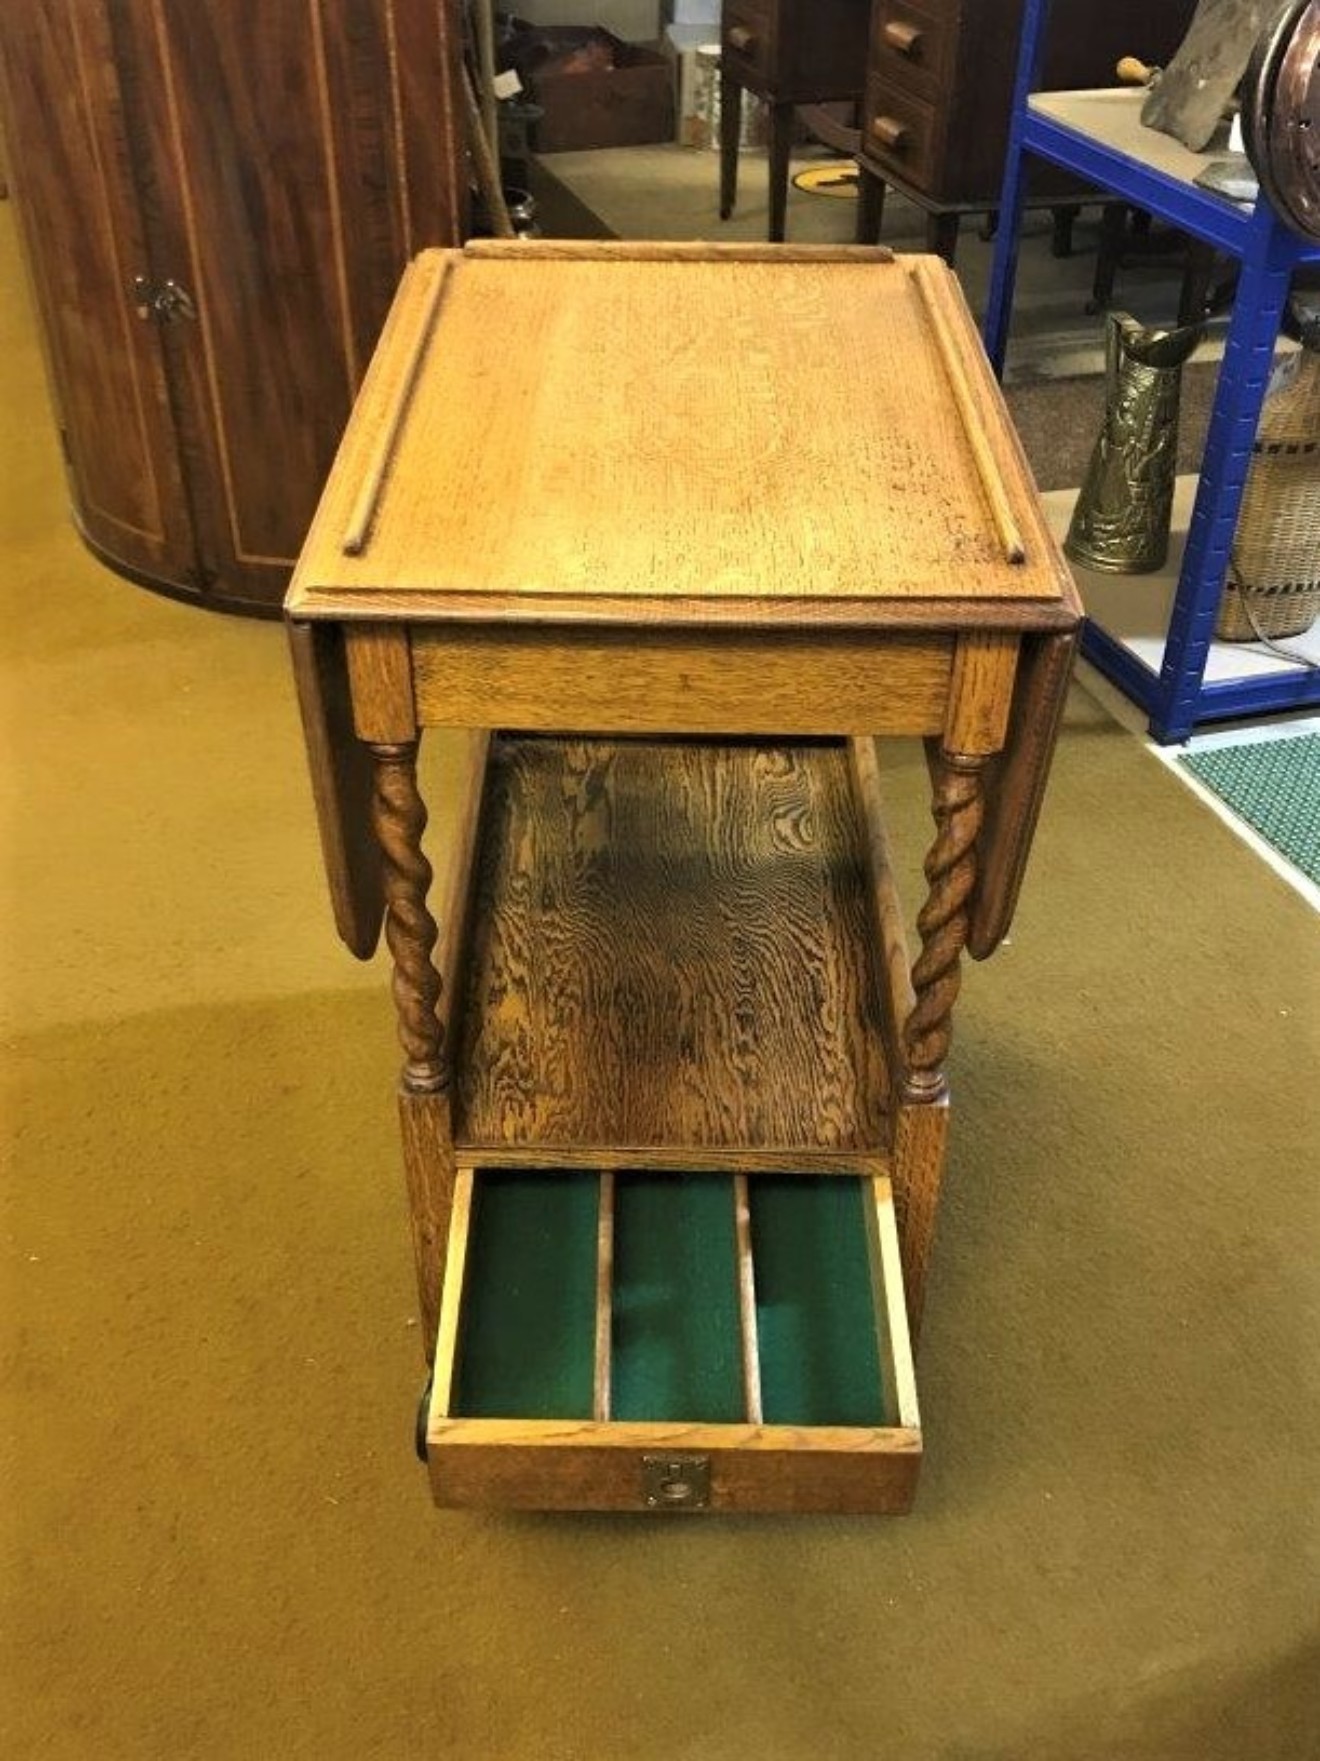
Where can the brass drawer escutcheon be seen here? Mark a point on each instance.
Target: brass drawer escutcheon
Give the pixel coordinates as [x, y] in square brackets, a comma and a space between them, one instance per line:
[676, 1482]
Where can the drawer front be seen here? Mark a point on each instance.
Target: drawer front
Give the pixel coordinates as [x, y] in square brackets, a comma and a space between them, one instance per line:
[673, 1342]
[901, 134]
[749, 39]
[911, 49]
[750, 683]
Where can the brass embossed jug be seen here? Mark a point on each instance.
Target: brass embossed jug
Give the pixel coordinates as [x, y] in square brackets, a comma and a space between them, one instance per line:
[1121, 522]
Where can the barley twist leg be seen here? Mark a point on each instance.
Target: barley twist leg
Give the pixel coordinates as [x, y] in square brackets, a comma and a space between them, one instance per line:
[399, 817]
[942, 923]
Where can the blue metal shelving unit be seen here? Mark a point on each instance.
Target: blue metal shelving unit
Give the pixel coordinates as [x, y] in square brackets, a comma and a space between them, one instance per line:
[1176, 699]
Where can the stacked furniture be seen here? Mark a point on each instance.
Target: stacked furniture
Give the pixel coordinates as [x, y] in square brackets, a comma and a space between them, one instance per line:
[674, 1102]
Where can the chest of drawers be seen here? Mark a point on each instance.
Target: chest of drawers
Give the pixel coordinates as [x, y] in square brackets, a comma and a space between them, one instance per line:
[789, 52]
[938, 93]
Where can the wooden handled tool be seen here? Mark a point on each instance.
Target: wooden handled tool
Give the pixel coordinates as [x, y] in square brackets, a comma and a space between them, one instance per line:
[1132, 72]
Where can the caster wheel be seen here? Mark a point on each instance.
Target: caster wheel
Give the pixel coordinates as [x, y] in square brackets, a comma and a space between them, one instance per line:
[419, 1427]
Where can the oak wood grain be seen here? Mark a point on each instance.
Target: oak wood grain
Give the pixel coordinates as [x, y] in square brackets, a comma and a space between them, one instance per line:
[358, 530]
[676, 1158]
[930, 283]
[921, 1131]
[897, 998]
[399, 819]
[342, 784]
[641, 681]
[553, 1464]
[456, 864]
[429, 1172]
[958, 802]
[671, 947]
[669, 251]
[980, 692]
[610, 457]
[380, 673]
[445, 607]
[1016, 787]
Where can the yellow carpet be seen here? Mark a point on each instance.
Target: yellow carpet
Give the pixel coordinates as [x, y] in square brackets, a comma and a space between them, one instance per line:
[215, 1540]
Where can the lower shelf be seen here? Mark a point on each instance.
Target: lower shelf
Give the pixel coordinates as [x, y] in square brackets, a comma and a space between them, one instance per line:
[674, 945]
[1135, 611]
[658, 1341]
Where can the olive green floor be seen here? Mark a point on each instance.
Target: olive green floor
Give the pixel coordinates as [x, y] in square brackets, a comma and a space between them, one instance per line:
[215, 1540]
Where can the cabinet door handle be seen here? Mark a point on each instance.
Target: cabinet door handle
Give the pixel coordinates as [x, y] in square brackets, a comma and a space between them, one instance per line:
[166, 304]
[904, 37]
[889, 132]
[741, 39]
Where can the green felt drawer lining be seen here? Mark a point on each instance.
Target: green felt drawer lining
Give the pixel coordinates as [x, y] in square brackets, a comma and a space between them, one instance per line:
[529, 1312]
[675, 1340]
[527, 1341]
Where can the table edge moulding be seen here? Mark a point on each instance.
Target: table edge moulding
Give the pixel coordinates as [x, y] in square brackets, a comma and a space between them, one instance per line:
[656, 1003]
[1099, 136]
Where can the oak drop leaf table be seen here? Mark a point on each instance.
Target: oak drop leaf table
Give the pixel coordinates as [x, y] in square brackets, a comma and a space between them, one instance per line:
[676, 535]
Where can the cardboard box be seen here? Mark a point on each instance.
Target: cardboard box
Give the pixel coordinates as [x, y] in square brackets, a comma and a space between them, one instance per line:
[627, 105]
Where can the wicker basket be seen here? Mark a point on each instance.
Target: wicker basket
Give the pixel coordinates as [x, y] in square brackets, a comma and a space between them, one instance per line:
[1273, 585]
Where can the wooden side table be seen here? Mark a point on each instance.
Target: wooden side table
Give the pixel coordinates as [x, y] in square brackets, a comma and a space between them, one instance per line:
[790, 53]
[673, 1102]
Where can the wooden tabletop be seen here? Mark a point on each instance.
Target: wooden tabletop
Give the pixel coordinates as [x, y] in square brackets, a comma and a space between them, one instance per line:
[680, 434]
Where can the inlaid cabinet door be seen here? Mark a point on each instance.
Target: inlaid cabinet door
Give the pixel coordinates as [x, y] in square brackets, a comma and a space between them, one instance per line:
[298, 152]
[69, 164]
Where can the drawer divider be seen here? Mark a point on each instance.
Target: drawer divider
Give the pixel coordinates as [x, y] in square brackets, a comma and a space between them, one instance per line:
[600, 1405]
[897, 1375]
[746, 1272]
[445, 1376]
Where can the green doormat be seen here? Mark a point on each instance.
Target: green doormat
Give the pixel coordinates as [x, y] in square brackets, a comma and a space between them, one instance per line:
[1275, 786]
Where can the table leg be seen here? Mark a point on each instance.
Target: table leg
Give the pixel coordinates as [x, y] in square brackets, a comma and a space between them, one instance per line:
[730, 129]
[958, 806]
[399, 819]
[921, 1122]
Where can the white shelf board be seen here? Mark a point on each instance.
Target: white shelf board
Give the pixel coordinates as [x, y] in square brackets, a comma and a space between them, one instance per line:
[1112, 117]
[1135, 609]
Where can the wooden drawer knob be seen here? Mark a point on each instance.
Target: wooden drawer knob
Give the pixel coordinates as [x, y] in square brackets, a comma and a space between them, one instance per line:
[904, 37]
[889, 132]
[741, 38]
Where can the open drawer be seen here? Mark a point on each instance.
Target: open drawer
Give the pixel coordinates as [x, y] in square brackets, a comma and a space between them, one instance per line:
[665, 1341]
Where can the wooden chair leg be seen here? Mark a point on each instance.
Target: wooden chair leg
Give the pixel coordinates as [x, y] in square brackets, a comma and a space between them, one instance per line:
[942, 235]
[1197, 284]
[870, 206]
[730, 130]
[1061, 241]
[781, 141]
[1113, 229]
